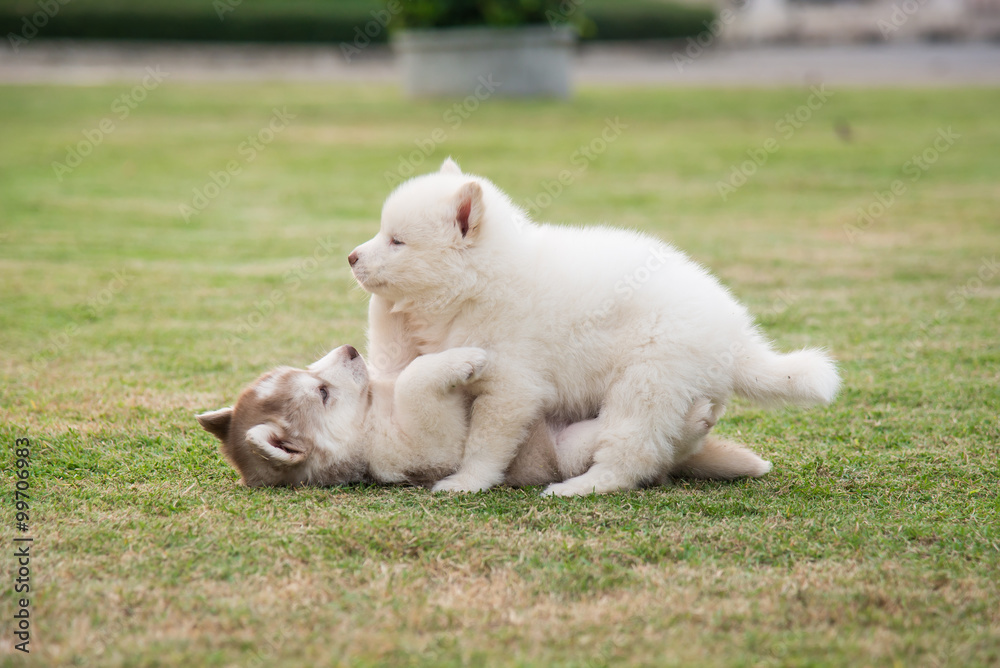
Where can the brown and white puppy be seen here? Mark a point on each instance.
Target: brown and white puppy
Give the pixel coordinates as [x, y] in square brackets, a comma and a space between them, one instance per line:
[336, 422]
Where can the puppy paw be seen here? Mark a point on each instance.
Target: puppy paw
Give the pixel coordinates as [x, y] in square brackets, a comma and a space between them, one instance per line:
[699, 420]
[466, 365]
[569, 488]
[475, 364]
[460, 483]
[598, 480]
[562, 489]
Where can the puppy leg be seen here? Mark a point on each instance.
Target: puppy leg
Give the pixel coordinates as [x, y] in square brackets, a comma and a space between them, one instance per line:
[575, 447]
[576, 444]
[390, 346]
[722, 460]
[699, 420]
[642, 432]
[447, 370]
[714, 457]
[501, 419]
[425, 399]
[619, 458]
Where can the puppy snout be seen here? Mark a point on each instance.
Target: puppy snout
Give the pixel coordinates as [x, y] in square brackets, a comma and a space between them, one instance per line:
[353, 259]
[351, 351]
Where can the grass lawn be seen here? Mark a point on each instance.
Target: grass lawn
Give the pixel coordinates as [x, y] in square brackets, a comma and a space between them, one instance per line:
[874, 541]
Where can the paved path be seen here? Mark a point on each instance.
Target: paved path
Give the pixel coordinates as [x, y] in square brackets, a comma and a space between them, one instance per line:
[85, 63]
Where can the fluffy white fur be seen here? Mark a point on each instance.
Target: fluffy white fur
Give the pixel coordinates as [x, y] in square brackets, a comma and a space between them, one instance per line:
[339, 422]
[580, 323]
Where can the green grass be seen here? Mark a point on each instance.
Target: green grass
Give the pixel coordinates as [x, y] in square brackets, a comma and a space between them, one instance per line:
[874, 541]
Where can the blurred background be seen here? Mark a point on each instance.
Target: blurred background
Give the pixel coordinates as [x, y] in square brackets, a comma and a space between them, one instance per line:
[611, 41]
[324, 21]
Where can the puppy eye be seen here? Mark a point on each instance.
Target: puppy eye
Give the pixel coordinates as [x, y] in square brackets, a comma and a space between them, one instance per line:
[324, 393]
[396, 242]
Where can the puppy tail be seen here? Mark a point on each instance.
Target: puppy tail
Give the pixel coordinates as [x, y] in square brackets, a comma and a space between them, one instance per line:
[807, 376]
[720, 459]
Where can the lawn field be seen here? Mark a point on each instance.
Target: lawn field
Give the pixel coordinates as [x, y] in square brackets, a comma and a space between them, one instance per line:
[175, 252]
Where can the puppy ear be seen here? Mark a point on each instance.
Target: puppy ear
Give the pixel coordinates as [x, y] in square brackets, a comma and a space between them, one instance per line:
[449, 166]
[469, 209]
[268, 441]
[217, 422]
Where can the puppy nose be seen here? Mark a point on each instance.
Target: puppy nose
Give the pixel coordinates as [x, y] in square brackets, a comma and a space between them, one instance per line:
[353, 258]
[351, 351]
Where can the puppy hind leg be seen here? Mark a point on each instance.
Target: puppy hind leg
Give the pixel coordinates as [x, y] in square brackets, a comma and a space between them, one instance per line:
[698, 423]
[720, 459]
[713, 457]
[626, 458]
[646, 424]
[633, 445]
[575, 447]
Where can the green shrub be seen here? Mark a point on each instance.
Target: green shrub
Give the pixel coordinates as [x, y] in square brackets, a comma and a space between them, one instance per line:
[449, 13]
[328, 21]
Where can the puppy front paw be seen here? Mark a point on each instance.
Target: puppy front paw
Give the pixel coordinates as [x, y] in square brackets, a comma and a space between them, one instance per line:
[466, 365]
[475, 364]
[460, 482]
[568, 489]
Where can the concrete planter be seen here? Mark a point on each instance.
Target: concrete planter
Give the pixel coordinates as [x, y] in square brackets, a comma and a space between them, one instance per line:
[525, 61]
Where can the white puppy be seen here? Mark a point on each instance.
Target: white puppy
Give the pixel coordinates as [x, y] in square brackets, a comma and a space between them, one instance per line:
[337, 422]
[579, 322]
